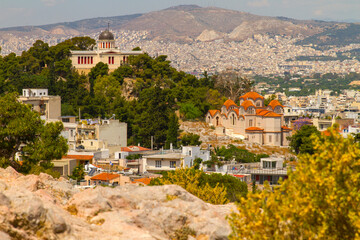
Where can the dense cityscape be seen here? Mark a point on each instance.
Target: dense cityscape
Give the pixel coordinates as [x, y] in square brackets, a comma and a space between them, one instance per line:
[262, 54]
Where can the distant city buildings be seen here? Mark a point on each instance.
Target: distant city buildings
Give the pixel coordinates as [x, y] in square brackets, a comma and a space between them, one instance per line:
[261, 54]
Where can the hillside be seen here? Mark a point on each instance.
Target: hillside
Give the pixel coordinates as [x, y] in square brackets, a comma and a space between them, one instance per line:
[340, 36]
[41, 207]
[185, 24]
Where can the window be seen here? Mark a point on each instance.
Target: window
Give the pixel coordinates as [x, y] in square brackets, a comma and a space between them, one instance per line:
[172, 164]
[78, 60]
[91, 143]
[233, 119]
[119, 155]
[273, 164]
[250, 123]
[158, 164]
[189, 153]
[92, 60]
[71, 133]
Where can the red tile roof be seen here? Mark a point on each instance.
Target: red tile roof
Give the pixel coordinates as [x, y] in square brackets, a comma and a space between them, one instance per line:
[79, 157]
[251, 95]
[275, 103]
[286, 128]
[246, 104]
[105, 176]
[213, 112]
[145, 181]
[254, 129]
[228, 103]
[266, 113]
[134, 149]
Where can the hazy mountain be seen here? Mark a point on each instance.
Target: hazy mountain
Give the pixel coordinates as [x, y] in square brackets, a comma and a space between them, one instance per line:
[188, 23]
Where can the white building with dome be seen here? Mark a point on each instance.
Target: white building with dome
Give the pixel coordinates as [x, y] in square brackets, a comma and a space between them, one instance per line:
[105, 51]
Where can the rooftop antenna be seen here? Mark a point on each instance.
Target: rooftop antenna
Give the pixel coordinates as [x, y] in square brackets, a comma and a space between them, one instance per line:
[108, 26]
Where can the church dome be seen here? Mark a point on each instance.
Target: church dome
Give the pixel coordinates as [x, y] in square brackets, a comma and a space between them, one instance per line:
[106, 35]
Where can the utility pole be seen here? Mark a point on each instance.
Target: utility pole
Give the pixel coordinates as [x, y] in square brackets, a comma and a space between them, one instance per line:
[152, 142]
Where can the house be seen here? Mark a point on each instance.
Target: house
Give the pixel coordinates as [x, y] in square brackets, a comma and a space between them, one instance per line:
[134, 163]
[94, 135]
[105, 51]
[69, 131]
[64, 166]
[107, 178]
[252, 120]
[161, 162]
[48, 106]
[173, 159]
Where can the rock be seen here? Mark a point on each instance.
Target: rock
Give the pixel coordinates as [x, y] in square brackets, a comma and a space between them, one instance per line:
[4, 236]
[33, 207]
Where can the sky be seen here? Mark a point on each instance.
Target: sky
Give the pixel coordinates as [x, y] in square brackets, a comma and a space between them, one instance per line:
[41, 12]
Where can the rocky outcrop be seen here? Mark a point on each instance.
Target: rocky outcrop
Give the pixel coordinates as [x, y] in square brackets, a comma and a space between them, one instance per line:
[41, 207]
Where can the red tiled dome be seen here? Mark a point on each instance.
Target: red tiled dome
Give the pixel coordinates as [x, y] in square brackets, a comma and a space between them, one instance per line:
[251, 95]
[228, 103]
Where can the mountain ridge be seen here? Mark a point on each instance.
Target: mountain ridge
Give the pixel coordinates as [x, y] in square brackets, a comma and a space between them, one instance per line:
[186, 23]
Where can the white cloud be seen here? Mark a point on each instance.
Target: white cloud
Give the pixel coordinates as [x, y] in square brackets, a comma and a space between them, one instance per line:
[258, 3]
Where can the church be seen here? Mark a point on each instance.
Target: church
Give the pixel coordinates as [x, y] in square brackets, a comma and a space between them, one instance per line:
[252, 120]
[105, 51]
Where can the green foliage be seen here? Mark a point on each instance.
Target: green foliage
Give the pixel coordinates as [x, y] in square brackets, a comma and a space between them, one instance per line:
[197, 162]
[235, 189]
[78, 173]
[190, 180]
[269, 99]
[320, 200]
[158, 92]
[133, 156]
[20, 126]
[240, 155]
[193, 180]
[301, 140]
[189, 111]
[190, 139]
[173, 131]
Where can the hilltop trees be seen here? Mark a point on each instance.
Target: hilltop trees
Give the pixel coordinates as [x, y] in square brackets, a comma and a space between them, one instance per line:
[320, 200]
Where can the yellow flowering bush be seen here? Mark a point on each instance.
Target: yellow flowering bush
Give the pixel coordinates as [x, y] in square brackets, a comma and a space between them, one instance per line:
[320, 200]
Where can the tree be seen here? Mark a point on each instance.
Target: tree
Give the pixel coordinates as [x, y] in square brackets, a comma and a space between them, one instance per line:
[78, 173]
[48, 145]
[21, 126]
[100, 69]
[300, 140]
[197, 162]
[173, 131]
[189, 179]
[189, 111]
[190, 139]
[18, 125]
[269, 99]
[320, 200]
[232, 85]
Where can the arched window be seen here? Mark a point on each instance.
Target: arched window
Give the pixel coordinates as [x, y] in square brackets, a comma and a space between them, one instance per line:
[233, 119]
[217, 121]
